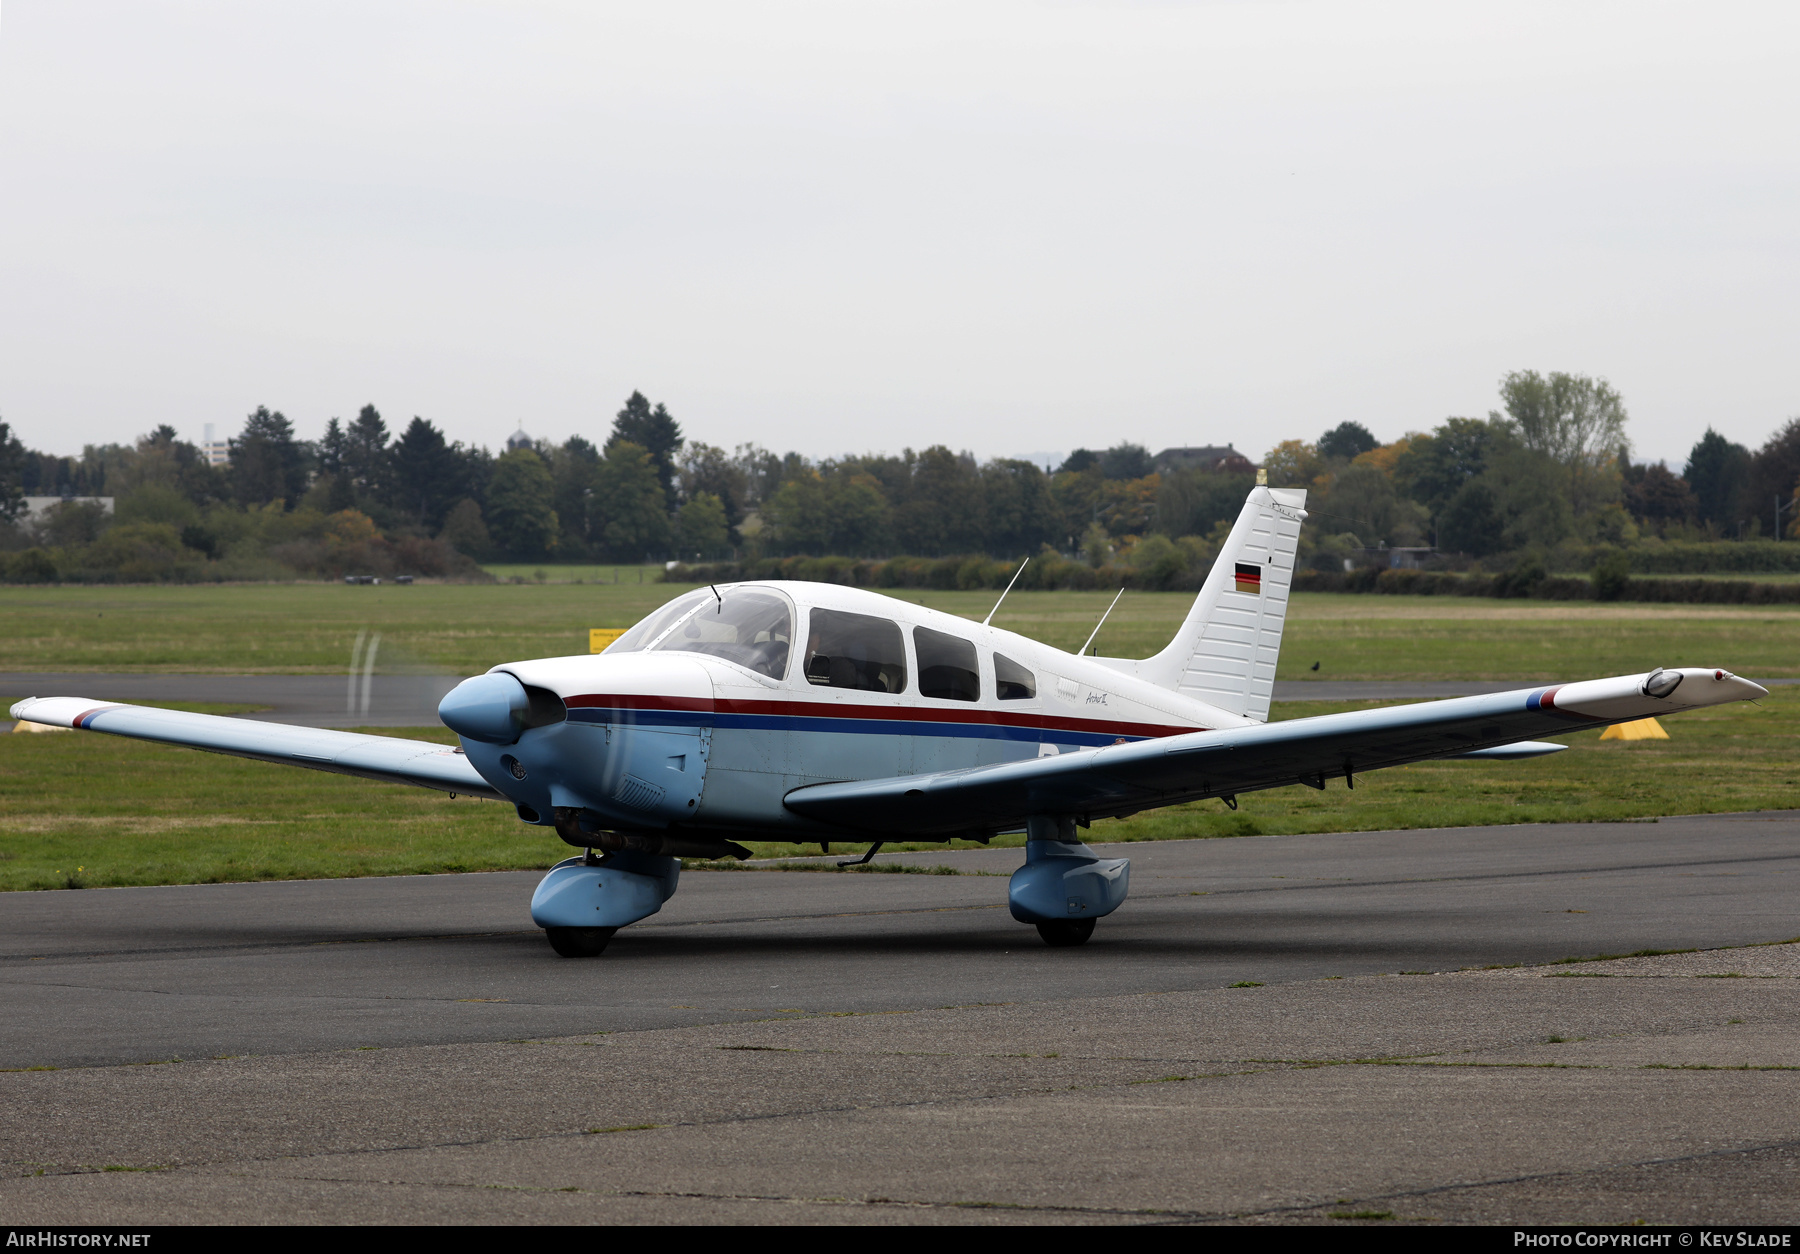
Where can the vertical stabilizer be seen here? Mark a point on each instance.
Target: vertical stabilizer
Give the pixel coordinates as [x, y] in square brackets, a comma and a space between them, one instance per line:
[1225, 652]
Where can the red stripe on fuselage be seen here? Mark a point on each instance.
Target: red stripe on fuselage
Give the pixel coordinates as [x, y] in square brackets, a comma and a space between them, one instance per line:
[879, 713]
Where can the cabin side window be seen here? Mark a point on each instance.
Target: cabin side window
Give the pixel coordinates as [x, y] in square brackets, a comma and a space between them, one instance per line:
[1013, 682]
[857, 651]
[946, 666]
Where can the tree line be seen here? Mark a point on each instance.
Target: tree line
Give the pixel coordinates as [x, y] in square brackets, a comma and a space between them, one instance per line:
[1550, 469]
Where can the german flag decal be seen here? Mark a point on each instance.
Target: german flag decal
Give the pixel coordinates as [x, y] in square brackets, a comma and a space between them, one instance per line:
[1249, 578]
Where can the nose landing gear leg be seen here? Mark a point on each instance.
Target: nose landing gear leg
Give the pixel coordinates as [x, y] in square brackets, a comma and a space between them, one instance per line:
[584, 901]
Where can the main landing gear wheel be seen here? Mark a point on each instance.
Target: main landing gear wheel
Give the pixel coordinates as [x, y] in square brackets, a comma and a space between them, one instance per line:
[589, 942]
[1061, 933]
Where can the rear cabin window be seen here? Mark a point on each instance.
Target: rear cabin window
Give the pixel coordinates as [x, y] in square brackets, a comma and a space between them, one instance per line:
[1013, 682]
[946, 666]
[854, 651]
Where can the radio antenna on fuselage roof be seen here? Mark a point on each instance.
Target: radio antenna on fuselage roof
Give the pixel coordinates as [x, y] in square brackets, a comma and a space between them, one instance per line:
[1100, 624]
[1009, 584]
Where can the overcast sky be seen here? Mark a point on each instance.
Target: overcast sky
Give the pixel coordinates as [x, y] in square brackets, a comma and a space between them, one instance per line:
[836, 227]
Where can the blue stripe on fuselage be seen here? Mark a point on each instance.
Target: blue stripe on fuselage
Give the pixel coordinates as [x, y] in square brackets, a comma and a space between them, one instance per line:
[842, 726]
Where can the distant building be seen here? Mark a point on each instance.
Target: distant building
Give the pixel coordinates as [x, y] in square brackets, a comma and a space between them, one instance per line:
[216, 452]
[1209, 457]
[518, 439]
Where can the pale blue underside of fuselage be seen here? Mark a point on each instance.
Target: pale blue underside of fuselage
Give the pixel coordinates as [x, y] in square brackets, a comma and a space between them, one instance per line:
[737, 768]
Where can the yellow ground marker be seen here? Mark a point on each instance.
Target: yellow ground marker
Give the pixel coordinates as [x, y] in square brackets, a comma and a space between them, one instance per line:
[23, 726]
[1637, 729]
[600, 637]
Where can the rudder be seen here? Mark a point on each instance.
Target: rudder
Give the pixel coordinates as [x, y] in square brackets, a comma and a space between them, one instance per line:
[1225, 653]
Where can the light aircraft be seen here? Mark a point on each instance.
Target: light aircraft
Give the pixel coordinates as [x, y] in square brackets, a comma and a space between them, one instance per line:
[782, 711]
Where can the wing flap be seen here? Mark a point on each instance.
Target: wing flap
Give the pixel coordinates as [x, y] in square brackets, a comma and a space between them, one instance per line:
[386, 758]
[1122, 778]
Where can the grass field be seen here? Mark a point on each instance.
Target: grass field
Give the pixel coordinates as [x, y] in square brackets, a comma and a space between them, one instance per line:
[464, 629]
[93, 810]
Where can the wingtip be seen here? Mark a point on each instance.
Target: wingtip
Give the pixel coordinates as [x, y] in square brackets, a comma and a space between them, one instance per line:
[1721, 686]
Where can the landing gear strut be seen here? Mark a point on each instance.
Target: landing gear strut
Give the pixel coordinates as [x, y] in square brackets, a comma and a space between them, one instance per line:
[1064, 886]
[1061, 933]
[584, 900]
[585, 942]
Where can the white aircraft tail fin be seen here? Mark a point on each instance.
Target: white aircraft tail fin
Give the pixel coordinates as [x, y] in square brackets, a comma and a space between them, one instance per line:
[1225, 652]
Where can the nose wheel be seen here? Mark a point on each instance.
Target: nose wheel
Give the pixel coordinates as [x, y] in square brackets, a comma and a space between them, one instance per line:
[590, 942]
[1061, 933]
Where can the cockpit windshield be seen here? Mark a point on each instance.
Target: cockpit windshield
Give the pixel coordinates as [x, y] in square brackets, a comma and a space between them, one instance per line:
[746, 626]
[645, 633]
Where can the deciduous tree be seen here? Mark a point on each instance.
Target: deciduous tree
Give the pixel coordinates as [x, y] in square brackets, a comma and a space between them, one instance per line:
[1021, 514]
[1577, 422]
[1126, 461]
[1364, 500]
[1775, 476]
[705, 468]
[1294, 464]
[700, 527]
[464, 529]
[520, 512]
[12, 471]
[1657, 496]
[629, 518]
[575, 467]
[1435, 467]
[1191, 502]
[1345, 441]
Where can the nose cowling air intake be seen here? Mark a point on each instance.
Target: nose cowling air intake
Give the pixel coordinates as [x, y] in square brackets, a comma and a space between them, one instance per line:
[496, 708]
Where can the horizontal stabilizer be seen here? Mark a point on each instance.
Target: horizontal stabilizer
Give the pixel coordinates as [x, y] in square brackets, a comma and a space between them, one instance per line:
[1510, 753]
[386, 758]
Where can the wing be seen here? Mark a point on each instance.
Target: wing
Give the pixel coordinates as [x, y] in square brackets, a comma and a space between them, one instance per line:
[346, 753]
[1124, 778]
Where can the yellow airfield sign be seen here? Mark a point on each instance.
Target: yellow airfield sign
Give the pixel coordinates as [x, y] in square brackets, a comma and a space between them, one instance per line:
[600, 637]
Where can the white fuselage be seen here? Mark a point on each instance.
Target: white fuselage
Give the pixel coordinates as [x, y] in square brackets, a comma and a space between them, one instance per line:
[672, 738]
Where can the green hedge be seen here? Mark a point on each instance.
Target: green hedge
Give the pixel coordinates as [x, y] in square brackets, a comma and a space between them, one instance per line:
[1532, 582]
[1047, 571]
[1746, 556]
[1052, 571]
